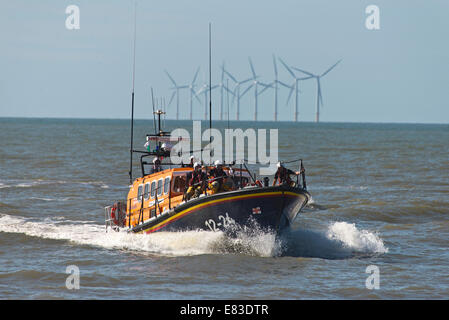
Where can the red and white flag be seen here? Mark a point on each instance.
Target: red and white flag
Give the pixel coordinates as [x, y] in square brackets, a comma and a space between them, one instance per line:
[257, 210]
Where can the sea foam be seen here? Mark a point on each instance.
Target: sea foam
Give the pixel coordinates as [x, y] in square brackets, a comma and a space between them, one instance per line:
[349, 236]
[342, 240]
[184, 243]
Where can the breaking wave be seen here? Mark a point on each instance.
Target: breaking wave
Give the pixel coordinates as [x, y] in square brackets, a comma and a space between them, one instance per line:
[342, 240]
[183, 243]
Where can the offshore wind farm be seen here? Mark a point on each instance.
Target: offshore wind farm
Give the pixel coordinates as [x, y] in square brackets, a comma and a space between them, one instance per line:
[195, 95]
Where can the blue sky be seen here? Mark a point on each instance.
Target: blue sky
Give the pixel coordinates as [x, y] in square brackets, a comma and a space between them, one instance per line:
[399, 73]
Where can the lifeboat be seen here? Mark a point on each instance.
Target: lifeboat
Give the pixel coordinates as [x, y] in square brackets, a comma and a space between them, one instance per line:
[157, 200]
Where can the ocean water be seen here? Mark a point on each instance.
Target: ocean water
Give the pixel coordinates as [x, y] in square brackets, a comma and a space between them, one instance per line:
[380, 200]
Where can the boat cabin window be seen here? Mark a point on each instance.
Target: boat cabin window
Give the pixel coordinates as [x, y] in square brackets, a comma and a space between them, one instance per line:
[159, 187]
[179, 184]
[146, 192]
[166, 185]
[139, 193]
[153, 189]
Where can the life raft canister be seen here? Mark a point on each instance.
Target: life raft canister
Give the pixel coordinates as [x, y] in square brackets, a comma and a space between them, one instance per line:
[117, 214]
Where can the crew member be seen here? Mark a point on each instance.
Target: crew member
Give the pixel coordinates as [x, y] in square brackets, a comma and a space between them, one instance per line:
[283, 175]
[218, 175]
[192, 162]
[166, 147]
[196, 182]
[156, 165]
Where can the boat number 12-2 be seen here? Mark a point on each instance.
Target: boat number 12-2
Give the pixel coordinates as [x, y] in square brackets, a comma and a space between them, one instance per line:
[223, 221]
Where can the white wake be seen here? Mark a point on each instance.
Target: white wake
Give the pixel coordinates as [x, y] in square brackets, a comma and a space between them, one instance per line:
[341, 239]
[161, 243]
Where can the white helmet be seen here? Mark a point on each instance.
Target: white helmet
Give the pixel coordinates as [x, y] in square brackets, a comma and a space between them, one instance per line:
[218, 163]
[155, 159]
[166, 146]
[279, 165]
[196, 164]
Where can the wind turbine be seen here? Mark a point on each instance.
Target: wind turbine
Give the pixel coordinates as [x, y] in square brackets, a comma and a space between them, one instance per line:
[176, 92]
[276, 88]
[192, 92]
[225, 87]
[319, 97]
[205, 89]
[236, 93]
[294, 87]
[255, 84]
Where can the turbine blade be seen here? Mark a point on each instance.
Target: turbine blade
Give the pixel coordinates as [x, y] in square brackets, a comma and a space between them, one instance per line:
[227, 89]
[200, 91]
[244, 81]
[222, 72]
[284, 84]
[234, 95]
[172, 80]
[230, 75]
[171, 99]
[303, 71]
[288, 69]
[328, 70]
[195, 95]
[264, 84]
[263, 90]
[246, 90]
[196, 74]
[275, 67]
[290, 94]
[252, 68]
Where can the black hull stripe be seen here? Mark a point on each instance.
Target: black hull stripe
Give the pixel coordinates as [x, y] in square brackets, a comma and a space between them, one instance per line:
[203, 205]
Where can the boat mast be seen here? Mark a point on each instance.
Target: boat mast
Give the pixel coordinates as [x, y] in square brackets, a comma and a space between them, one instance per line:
[210, 92]
[132, 102]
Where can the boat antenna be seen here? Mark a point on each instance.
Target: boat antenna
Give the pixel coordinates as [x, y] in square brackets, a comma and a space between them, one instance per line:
[227, 98]
[132, 101]
[154, 115]
[210, 92]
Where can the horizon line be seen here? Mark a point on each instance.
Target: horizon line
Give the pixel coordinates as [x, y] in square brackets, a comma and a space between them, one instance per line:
[217, 120]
